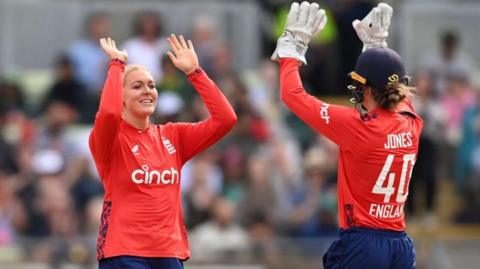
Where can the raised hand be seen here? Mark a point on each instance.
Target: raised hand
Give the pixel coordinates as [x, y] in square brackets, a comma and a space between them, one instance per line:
[108, 45]
[306, 20]
[373, 29]
[183, 55]
[303, 22]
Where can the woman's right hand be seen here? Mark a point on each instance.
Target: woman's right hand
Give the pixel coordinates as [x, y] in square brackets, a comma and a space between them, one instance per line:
[108, 45]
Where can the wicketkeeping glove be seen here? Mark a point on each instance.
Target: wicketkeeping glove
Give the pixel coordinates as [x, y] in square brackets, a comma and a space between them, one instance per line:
[303, 22]
[373, 29]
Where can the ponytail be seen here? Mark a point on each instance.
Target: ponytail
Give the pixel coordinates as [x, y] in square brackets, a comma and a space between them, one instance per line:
[393, 94]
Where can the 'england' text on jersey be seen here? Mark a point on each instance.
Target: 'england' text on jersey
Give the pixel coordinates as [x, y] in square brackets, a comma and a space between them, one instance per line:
[400, 140]
[386, 211]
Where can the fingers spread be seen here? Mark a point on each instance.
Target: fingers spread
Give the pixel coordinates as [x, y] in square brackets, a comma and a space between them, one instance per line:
[170, 43]
[323, 20]
[314, 6]
[103, 43]
[174, 44]
[293, 13]
[313, 19]
[182, 42]
[172, 57]
[190, 44]
[303, 15]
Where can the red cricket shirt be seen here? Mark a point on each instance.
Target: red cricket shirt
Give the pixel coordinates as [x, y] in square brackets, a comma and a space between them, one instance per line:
[377, 152]
[141, 170]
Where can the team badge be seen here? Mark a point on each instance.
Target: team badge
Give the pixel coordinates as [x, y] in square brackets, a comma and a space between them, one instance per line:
[168, 146]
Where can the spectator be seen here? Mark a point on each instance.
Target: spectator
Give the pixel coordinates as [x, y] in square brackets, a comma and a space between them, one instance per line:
[50, 218]
[60, 217]
[52, 150]
[251, 126]
[46, 215]
[260, 196]
[468, 166]
[147, 46]
[455, 100]
[88, 58]
[201, 188]
[262, 240]
[169, 107]
[449, 58]
[222, 62]
[233, 164]
[313, 202]
[11, 97]
[220, 238]
[174, 81]
[67, 89]
[426, 168]
[8, 158]
[13, 217]
[263, 91]
[286, 159]
[93, 212]
[206, 43]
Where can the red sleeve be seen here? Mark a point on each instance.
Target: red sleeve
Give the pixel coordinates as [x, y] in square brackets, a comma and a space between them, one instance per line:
[335, 122]
[196, 137]
[108, 118]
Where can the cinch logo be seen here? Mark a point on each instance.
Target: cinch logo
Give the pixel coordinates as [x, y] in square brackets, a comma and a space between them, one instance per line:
[145, 176]
[324, 112]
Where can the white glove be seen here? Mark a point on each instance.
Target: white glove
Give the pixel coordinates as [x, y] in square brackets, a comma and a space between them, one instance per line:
[303, 22]
[373, 29]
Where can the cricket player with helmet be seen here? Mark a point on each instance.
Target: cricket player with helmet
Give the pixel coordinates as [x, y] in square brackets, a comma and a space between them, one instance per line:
[378, 139]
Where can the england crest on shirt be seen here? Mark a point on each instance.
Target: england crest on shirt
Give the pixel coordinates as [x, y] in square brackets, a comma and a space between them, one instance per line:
[168, 146]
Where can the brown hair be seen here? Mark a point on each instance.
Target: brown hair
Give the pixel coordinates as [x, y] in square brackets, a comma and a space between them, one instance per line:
[393, 94]
[130, 68]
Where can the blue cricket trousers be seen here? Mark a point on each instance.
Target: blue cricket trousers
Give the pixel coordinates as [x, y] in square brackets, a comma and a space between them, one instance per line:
[363, 248]
[131, 262]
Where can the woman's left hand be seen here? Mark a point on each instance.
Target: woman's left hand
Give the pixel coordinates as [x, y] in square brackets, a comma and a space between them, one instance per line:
[183, 55]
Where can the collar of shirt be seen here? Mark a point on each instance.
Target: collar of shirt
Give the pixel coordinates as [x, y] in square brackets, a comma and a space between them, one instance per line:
[134, 130]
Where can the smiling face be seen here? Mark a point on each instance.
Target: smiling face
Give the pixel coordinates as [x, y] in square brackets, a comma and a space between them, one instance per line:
[139, 92]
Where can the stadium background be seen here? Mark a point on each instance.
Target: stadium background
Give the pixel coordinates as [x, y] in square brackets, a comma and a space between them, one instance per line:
[265, 196]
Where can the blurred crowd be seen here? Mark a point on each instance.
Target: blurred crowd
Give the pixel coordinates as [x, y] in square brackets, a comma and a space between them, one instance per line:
[271, 177]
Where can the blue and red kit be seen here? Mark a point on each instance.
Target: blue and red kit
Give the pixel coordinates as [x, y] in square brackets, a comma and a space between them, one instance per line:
[377, 154]
[141, 170]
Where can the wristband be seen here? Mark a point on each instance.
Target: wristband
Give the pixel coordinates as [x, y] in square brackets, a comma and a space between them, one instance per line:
[117, 62]
[196, 72]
